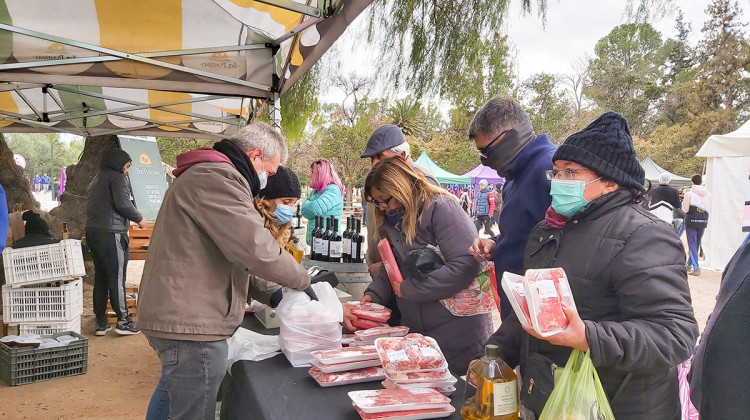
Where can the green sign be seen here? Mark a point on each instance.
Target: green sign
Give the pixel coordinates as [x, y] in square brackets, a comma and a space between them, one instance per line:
[146, 174]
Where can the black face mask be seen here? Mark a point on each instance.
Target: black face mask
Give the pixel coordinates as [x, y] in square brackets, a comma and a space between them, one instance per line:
[502, 153]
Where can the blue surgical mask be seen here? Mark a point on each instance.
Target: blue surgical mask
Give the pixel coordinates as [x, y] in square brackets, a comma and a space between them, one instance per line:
[567, 195]
[283, 213]
[263, 176]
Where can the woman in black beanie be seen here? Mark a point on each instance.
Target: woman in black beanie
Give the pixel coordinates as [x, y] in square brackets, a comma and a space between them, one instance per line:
[627, 273]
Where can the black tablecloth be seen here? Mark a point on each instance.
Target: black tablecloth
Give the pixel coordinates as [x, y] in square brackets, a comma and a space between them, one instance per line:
[273, 389]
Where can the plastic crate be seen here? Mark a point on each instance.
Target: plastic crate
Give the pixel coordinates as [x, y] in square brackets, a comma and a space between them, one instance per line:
[43, 263]
[43, 304]
[25, 365]
[49, 328]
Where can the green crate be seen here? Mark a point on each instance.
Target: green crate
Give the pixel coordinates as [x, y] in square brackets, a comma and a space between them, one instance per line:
[25, 365]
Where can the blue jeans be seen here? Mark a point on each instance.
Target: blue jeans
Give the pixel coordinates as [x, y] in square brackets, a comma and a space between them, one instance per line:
[192, 372]
[694, 237]
[158, 407]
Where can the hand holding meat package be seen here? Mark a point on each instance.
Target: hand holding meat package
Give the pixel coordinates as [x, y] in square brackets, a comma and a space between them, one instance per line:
[538, 298]
[411, 353]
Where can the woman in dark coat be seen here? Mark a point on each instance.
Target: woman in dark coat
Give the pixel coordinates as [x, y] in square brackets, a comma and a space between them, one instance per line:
[412, 214]
[627, 274]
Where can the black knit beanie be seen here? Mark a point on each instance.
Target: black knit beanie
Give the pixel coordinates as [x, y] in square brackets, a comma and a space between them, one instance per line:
[605, 147]
[34, 223]
[282, 184]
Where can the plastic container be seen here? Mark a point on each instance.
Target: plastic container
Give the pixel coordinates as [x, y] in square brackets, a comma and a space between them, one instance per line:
[435, 377]
[385, 400]
[345, 354]
[371, 311]
[325, 380]
[374, 333]
[343, 367]
[547, 290]
[42, 304]
[516, 292]
[49, 328]
[411, 353]
[431, 413]
[43, 263]
[25, 365]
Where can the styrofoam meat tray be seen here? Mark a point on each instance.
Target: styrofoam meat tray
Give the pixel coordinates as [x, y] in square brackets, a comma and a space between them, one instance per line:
[326, 380]
[345, 355]
[343, 367]
[373, 333]
[444, 389]
[386, 400]
[411, 353]
[430, 413]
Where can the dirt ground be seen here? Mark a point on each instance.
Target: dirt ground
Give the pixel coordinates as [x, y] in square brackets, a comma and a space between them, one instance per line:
[123, 370]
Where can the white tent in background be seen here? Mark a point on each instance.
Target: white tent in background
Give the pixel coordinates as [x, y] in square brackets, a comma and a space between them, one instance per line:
[728, 180]
[653, 171]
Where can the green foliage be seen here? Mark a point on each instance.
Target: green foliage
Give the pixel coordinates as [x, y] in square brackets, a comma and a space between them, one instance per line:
[548, 106]
[44, 153]
[299, 106]
[170, 147]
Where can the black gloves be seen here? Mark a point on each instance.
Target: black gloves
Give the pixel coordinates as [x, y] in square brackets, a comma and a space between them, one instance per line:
[310, 292]
[278, 295]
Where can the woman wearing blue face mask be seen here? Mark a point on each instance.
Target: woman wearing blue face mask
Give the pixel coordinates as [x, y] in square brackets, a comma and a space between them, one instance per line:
[627, 274]
[276, 203]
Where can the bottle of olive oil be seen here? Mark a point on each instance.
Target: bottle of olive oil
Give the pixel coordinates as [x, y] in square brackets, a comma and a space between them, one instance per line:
[496, 397]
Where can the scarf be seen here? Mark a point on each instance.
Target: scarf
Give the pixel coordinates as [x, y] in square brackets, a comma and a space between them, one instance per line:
[241, 162]
[554, 219]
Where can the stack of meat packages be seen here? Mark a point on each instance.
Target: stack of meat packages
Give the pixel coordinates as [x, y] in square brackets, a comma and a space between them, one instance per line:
[369, 315]
[417, 378]
[538, 298]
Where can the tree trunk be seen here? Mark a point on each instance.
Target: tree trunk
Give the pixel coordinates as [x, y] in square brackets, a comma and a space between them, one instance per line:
[17, 187]
[72, 208]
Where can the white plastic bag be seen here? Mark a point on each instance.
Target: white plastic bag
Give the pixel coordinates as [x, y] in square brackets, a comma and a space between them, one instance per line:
[249, 345]
[308, 325]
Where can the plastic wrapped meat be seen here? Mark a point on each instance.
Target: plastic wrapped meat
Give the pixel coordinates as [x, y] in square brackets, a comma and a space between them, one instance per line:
[516, 292]
[412, 353]
[345, 354]
[369, 374]
[430, 413]
[385, 400]
[546, 291]
[367, 324]
[371, 311]
[377, 332]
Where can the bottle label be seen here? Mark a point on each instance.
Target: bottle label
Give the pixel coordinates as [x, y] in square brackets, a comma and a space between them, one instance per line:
[324, 246]
[361, 252]
[353, 250]
[506, 397]
[335, 249]
[317, 245]
[347, 246]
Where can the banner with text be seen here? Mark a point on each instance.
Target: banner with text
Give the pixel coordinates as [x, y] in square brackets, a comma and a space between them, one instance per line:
[146, 174]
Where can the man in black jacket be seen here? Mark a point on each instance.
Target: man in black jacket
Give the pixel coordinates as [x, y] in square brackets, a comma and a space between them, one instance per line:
[108, 211]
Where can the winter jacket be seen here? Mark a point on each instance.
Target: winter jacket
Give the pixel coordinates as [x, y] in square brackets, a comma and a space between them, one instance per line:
[718, 378]
[4, 222]
[626, 270]
[445, 224]
[525, 199]
[207, 240]
[485, 202]
[110, 204]
[329, 203]
[666, 194]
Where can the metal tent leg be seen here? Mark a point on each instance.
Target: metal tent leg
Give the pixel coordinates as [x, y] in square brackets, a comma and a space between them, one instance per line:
[274, 111]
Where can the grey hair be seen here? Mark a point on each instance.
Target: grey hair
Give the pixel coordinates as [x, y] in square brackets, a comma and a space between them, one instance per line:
[401, 148]
[259, 135]
[665, 178]
[498, 114]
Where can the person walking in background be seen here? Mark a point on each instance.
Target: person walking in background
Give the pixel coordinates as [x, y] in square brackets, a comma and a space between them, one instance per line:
[498, 193]
[696, 205]
[37, 181]
[109, 210]
[502, 133]
[464, 201]
[45, 182]
[327, 196]
[56, 189]
[485, 208]
[207, 240]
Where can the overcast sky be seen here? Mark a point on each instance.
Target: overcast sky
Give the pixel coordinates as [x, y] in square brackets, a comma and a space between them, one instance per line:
[573, 28]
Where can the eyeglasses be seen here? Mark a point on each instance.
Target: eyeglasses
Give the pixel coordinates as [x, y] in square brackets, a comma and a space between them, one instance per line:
[381, 204]
[563, 174]
[483, 152]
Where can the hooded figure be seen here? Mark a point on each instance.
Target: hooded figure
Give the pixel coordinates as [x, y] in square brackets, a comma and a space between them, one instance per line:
[109, 210]
[36, 232]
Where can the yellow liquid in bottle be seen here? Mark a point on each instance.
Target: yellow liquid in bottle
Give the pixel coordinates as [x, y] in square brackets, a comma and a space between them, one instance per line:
[496, 397]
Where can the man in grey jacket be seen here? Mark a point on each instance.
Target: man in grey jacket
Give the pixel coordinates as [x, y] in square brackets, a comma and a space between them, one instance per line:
[208, 238]
[109, 210]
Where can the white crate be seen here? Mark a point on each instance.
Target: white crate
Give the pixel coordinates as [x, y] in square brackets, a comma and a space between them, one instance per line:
[42, 304]
[43, 263]
[49, 328]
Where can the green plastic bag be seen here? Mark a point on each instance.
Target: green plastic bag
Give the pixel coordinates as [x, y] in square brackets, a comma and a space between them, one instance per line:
[578, 393]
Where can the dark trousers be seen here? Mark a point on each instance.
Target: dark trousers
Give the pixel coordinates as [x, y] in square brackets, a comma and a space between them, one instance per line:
[485, 221]
[110, 251]
[694, 237]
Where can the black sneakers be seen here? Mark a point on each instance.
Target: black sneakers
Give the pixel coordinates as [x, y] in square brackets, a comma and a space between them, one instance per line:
[127, 327]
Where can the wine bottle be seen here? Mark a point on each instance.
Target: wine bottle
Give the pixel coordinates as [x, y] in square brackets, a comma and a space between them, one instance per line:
[297, 220]
[65, 235]
[358, 238]
[346, 242]
[326, 240]
[336, 244]
[315, 238]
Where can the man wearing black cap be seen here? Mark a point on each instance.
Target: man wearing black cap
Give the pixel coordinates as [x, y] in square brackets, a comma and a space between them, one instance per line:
[387, 141]
[502, 132]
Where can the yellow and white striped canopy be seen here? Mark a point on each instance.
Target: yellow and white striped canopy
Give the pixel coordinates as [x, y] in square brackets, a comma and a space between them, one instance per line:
[187, 68]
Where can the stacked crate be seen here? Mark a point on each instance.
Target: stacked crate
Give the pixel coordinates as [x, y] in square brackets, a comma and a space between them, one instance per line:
[43, 293]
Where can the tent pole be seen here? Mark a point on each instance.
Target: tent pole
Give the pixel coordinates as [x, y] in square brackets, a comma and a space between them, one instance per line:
[274, 111]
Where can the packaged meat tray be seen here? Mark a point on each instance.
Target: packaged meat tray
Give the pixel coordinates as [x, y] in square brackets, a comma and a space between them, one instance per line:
[516, 292]
[372, 311]
[347, 339]
[373, 333]
[446, 390]
[436, 376]
[326, 380]
[343, 367]
[367, 324]
[387, 400]
[411, 353]
[345, 354]
[546, 291]
[389, 262]
[430, 413]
